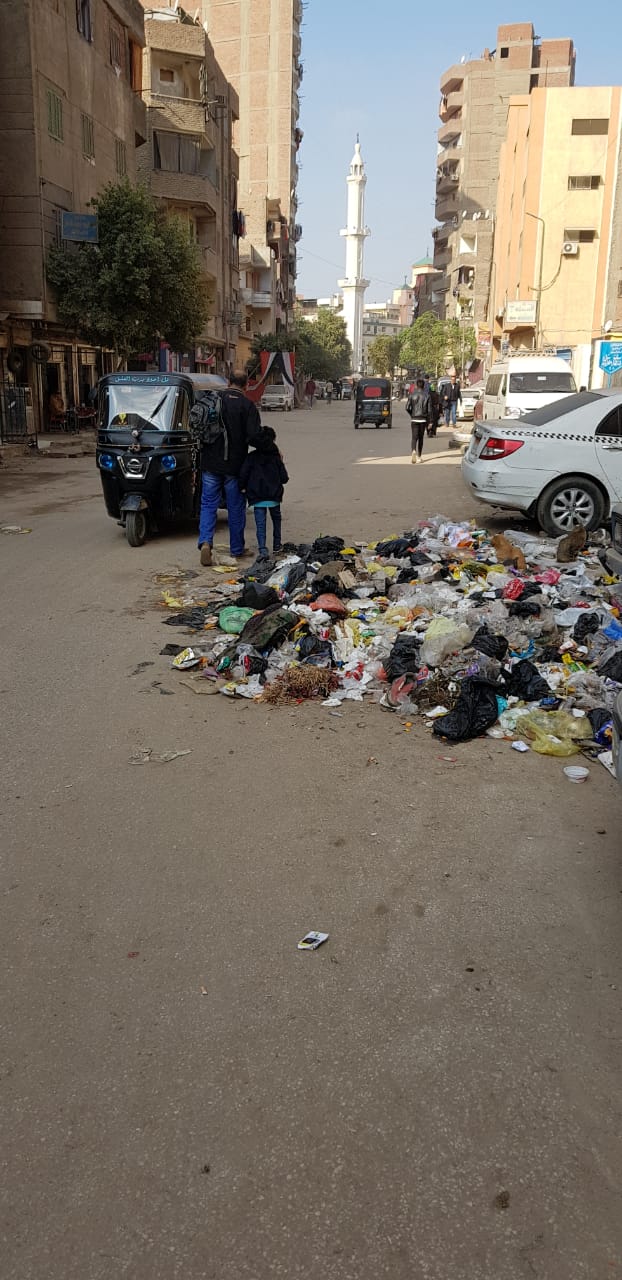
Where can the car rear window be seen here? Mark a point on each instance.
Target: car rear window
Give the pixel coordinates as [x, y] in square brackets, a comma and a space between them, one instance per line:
[542, 383]
[559, 408]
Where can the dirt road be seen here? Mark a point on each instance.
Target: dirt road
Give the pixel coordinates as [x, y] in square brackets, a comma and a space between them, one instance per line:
[435, 1093]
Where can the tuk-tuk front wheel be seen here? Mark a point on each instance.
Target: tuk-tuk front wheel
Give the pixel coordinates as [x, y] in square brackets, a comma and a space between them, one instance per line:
[136, 528]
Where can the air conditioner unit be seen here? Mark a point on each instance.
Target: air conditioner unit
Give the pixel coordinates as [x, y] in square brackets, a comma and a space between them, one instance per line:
[570, 248]
[220, 99]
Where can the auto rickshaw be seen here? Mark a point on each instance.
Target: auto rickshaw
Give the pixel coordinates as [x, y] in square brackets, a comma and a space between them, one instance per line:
[372, 403]
[146, 453]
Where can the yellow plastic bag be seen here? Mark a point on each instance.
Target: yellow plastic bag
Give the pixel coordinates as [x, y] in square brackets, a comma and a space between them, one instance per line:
[552, 733]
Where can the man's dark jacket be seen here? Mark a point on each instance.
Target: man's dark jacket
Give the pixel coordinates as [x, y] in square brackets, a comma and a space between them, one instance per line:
[242, 424]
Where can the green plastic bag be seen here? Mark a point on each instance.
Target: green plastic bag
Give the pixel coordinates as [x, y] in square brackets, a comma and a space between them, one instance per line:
[233, 619]
[552, 733]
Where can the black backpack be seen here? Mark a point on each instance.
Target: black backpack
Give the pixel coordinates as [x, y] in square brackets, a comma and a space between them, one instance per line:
[206, 420]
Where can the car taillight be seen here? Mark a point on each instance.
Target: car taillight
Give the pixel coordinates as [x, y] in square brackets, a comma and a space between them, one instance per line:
[496, 448]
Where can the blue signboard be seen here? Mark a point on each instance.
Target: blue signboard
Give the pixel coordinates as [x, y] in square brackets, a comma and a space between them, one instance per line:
[610, 359]
[79, 226]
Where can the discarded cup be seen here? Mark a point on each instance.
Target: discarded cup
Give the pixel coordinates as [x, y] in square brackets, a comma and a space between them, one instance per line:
[312, 941]
[576, 773]
[519, 745]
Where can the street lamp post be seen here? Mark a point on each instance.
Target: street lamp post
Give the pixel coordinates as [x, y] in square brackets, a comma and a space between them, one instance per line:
[536, 218]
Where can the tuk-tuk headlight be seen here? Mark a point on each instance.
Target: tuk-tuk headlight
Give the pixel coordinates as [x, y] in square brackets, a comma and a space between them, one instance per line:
[169, 462]
[107, 461]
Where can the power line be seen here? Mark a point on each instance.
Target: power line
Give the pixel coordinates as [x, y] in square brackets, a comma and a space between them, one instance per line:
[339, 266]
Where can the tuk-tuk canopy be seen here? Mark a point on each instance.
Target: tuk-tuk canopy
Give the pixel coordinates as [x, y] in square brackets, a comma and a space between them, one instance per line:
[373, 389]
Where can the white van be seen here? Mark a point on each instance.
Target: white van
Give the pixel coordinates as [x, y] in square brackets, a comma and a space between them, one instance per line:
[519, 383]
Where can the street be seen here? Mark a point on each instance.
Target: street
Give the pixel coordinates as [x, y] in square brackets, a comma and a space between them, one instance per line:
[435, 1092]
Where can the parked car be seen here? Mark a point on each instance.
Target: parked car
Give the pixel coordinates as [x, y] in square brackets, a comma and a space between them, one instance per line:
[278, 395]
[561, 464]
[518, 384]
[346, 391]
[466, 406]
[613, 554]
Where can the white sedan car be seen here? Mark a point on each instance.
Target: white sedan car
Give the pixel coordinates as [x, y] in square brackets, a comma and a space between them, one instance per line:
[561, 464]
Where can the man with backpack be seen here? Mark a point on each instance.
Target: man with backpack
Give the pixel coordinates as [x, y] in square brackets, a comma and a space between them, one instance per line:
[227, 423]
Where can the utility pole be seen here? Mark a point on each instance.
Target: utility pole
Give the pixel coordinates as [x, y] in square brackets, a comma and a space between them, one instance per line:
[536, 218]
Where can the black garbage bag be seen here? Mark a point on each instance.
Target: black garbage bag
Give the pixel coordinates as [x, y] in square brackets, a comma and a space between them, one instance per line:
[598, 718]
[493, 646]
[256, 595]
[531, 589]
[613, 667]
[586, 625]
[403, 657]
[397, 547]
[475, 711]
[260, 569]
[419, 557]
[194, 618]
[525, 609]
[332, 544]
[524, 681]
[309, 644]
[293, 575]
[407, 575]
[550, 653]
[326, 585]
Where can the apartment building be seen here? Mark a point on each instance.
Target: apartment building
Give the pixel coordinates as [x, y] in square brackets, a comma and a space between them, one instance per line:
[71, 120]
[258, 46]
[473, 113]
[190, 166]
[557, 266]
[427, 286]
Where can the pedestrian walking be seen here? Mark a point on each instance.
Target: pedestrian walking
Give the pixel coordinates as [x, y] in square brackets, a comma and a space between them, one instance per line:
[435, 410]
[451, 398]
[329, 391]
[310, 391]
[418, 407]
[221, 463]
[262, 477]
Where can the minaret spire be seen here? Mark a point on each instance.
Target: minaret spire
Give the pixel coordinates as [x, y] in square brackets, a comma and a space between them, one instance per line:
[354, 284]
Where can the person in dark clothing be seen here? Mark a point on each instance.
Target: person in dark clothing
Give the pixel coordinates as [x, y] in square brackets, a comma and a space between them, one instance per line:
[262, 478]
[221, 464]
[418, 406]
[435, 410]
[451, 398]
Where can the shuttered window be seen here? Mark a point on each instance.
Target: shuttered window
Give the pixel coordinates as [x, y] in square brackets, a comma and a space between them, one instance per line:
[55, 115]
[88, 137]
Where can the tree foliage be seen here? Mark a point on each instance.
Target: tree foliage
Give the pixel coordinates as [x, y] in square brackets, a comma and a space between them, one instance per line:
[321, 346]
[432, 345]
[384, 355]
[141, 282]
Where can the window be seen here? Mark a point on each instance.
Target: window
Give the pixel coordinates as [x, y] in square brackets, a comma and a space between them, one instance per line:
[580, 236]
[167, 75]
[493, 384]
[55, 115]
[542, 383]
[88, 137]
[582, 127]
[120, 156]
[611, 425]
[175, 152]
[620, 288]
[136, 66]
[504, 52]
[116, 36]
[589, 182]
[83, 19]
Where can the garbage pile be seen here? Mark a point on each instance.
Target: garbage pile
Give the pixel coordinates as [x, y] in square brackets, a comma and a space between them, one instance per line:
[512, 635]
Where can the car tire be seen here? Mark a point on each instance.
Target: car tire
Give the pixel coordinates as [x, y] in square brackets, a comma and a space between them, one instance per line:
[136, 528]
[569, 501]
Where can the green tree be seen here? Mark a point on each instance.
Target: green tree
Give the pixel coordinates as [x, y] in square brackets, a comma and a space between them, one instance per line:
[424, 345]
[330, 336]
[461, 343]
[141, 282]
[384, 355]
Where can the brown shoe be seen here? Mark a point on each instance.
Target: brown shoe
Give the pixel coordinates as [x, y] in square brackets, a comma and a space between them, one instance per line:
[206, 555]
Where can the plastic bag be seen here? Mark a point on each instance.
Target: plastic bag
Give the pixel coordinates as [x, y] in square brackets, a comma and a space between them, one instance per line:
[403, 657]
[256, 595]
[526, 682]
[233, 619]
[287, 575]
[443, 637]
[587, 625]
[493, 646]
[475, 711]
[552, 733]
[612, 667]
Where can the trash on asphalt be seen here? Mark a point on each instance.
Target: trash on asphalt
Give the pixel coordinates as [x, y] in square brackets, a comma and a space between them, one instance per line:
[312, 940]
[145, 755]
[14, 528]
[469, 633]
[576, 773]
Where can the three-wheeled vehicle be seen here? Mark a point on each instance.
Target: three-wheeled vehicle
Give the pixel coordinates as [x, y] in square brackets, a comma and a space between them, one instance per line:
[146, 453]
[372, 402]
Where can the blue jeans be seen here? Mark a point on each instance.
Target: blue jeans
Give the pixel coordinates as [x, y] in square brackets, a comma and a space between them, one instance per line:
[211, 496]
[261, 514]
[450, 412]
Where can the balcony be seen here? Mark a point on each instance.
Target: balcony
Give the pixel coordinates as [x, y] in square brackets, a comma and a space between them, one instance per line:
[259, 299]
[447, 208]
[442, 255]
[451, 131]
[181, 116]
[447, 180]
[451, 105]
[184, 188]
[449, 154]
[209, 261]
[452, 79]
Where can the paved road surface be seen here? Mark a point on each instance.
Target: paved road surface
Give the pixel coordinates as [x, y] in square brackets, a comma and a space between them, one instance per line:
[435, 1095]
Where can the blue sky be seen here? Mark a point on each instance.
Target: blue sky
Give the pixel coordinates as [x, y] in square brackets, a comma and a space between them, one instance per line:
[374, 67]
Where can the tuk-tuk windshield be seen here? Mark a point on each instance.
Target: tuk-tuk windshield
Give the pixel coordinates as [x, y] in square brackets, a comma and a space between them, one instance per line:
[131, 404]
